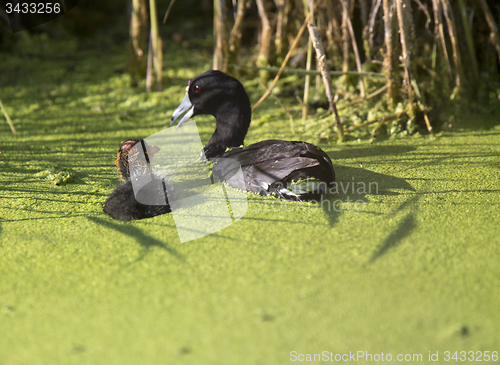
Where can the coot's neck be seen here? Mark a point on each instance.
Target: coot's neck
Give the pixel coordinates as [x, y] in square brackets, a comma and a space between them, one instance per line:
[231, 126]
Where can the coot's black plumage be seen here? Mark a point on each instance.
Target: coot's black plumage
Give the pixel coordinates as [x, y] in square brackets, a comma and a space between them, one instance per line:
[270, 166]
[273, 166]
[122, 203]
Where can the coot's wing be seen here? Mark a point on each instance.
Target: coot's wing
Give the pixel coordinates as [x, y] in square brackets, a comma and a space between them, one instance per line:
[260, 177]
[271, 165]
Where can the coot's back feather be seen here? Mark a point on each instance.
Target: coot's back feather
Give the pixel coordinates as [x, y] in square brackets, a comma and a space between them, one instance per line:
[272, 165]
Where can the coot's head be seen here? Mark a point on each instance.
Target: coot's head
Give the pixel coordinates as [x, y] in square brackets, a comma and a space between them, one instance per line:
[214, 93]
[124, 155]
[224, 97]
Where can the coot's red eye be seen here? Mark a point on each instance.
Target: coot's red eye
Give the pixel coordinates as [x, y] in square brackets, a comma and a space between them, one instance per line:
[197, 89]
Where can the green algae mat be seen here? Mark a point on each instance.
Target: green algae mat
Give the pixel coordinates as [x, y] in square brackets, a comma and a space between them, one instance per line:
[401, 263]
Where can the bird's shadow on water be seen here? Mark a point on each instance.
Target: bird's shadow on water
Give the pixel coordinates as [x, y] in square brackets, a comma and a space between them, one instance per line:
[386, 186]
[352, 187]
[146, 241]
[352, 191]
[404, 229]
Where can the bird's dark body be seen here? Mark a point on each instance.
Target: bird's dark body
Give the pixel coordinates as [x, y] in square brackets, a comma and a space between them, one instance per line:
[271, 165]
[123, 205]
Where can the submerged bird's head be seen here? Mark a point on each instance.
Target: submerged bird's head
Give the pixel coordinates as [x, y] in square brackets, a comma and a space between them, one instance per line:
[218, 94]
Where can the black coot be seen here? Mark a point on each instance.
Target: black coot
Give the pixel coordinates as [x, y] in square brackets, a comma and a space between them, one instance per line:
[289, 169]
